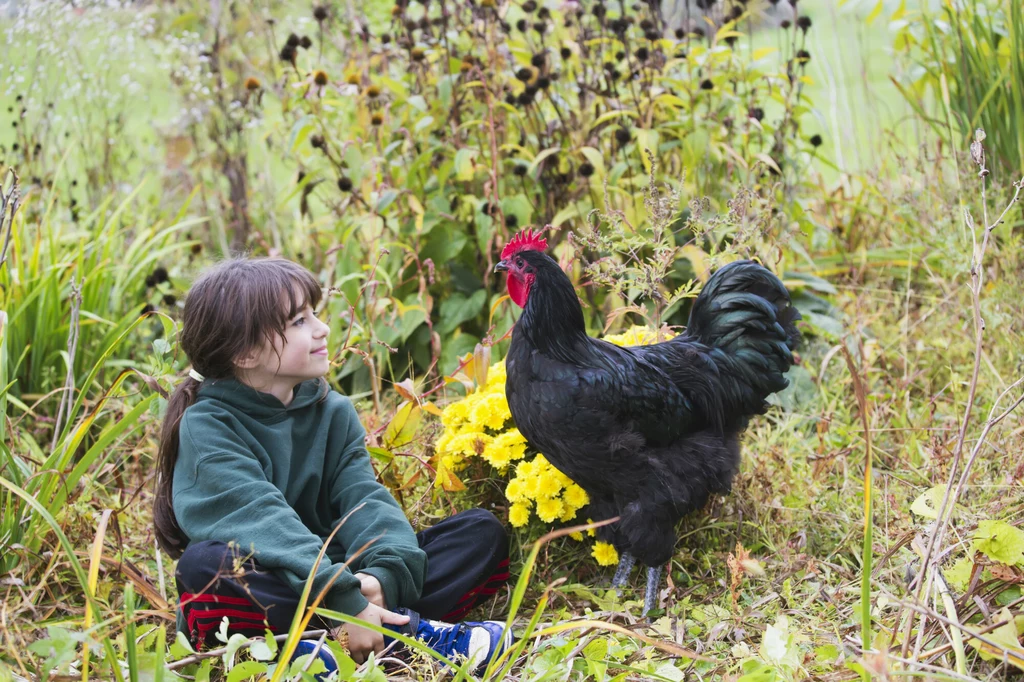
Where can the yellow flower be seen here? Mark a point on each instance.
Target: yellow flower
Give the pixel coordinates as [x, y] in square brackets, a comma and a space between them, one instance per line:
[454, 414]
[568, 513]
[577, 536]
[605, 554]
[548, 486]
[491, 411]
[638, 336]
[496, 376]
[513, 441]
[515, 491]
[549, 509]
[519, 514]
[575, 496]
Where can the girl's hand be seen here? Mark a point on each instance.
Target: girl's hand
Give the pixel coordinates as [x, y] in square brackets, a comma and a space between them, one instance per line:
[370, 587]
[361, 641]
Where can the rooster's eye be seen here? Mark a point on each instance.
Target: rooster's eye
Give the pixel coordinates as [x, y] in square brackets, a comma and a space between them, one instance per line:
[519, 262]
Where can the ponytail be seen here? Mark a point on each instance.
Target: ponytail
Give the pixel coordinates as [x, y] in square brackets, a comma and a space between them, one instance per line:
[169, 535]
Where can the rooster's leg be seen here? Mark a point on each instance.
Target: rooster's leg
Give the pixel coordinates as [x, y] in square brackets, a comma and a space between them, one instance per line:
[653, 582]
[626, 562]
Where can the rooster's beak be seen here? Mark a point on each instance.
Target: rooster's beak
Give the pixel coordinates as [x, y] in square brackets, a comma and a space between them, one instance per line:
[501, 266]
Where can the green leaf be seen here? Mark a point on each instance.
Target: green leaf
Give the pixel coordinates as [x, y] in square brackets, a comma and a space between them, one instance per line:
[403, 426]
[540, 157]
[457, 309]
[778, 646]
[927, 503]
[1000, 542]
[958, 574]
[464, 163]
[246, 670]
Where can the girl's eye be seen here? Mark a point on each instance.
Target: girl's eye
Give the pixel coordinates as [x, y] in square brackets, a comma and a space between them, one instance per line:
[299, 321]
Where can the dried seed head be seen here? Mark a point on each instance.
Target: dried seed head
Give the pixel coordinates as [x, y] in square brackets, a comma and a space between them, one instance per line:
[524, 74]
[510, 99]
[816, 140]
[620, 55]
[385, 38]
[160, 275]
[293, 40]
[643, 54]
[804, 22]
[352, 79]
[320, 77]
[646, 24]
[317, 141]
[565, 53]
[511, 220]
[680, 33]
[519, 170]
[418, 54]
[197, 248]
[373, 91]
[489, 4]
[543, 83]
[538, 60]
[529, 6]
[344, 184]
[288, 54]
[544, 13]
[623, 135]
[252, 83]
[757, 113]
[586, 169]
[599, 10]
[522, 25]
[652, 34]
[803, 56]
[698, 31]
[377, 118]
[785, 23]
[170, 300]
[306, 42]
[320, 13]
[707, 84]
[540, 27]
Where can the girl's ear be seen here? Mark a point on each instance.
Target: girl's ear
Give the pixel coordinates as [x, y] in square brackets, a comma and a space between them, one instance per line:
[248, 360]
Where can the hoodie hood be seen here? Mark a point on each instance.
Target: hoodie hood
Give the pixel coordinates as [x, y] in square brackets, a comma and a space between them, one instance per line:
[259, 405]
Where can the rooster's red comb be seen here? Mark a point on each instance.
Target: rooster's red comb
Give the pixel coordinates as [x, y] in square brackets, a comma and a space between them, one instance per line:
[526, 240]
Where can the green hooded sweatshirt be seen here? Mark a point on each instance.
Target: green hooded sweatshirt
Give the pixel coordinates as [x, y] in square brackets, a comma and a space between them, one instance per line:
[276, 480]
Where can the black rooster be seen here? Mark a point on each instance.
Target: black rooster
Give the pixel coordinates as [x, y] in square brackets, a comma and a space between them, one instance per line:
[650, 432]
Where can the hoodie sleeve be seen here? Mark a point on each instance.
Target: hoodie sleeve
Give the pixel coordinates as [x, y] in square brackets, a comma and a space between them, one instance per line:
[220, 492]
[369, 514]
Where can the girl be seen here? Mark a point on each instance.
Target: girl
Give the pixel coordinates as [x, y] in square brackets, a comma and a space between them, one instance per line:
[259, 461]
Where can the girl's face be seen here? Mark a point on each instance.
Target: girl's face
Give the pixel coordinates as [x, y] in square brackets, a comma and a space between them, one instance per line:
[278, 368]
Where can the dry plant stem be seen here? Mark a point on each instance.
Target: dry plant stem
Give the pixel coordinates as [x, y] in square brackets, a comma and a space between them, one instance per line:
[12, 201]
[977, 275]
[195, 658]
[69, 382]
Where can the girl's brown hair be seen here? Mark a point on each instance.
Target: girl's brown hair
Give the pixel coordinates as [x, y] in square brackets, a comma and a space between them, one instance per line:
[232, 309]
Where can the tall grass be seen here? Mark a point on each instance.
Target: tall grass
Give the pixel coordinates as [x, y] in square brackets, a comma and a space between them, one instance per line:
[978, 47]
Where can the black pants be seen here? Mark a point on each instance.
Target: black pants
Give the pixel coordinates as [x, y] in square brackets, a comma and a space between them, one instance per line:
[467, 561]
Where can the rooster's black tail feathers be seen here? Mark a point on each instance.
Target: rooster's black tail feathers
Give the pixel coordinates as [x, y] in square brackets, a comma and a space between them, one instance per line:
[745, 318]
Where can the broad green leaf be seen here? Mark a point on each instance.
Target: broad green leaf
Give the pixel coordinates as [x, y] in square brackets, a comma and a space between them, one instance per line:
[1000, 542]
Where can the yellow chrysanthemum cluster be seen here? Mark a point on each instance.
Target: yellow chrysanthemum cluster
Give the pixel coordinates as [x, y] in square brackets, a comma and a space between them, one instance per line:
[476, 426]
[479, 425]
[639, 336]
[538, 484]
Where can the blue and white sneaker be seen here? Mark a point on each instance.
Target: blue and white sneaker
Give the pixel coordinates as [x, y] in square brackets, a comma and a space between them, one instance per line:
[477, 642]
[308, 646]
